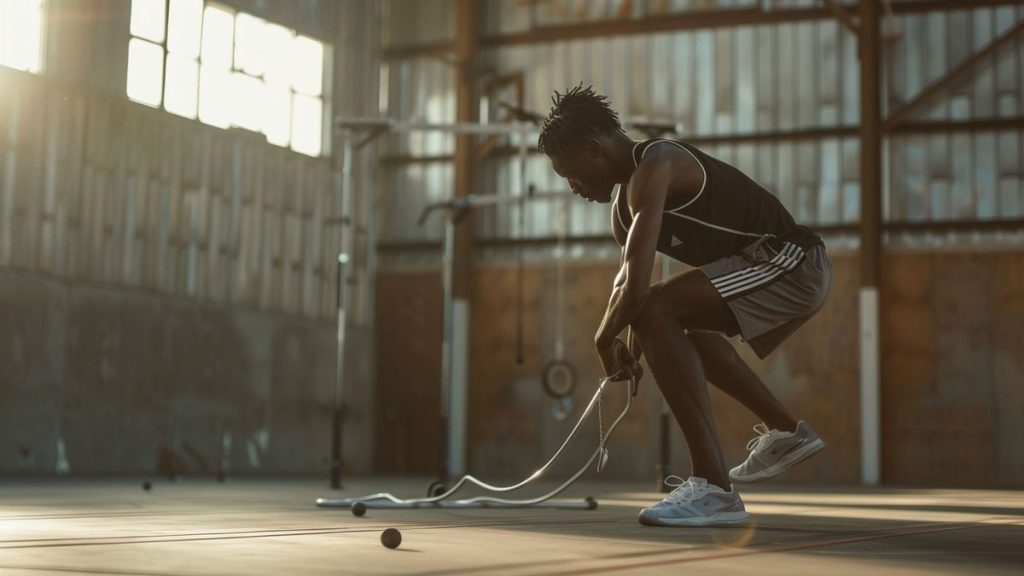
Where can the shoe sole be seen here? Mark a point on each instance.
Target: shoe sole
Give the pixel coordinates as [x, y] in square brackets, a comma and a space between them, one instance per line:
[781, 466]
[723, 519]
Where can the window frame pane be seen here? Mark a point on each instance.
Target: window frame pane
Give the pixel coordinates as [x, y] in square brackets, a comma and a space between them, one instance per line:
[307, 134]
[180, 40]
[219, 30]
[186, 92]
[149, 20]
[21, 38]
[136, 87]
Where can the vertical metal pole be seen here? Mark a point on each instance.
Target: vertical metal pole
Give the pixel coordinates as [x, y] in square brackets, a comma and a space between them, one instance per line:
[870, 240]
[344, 269]
[665, 419]
[447, 280]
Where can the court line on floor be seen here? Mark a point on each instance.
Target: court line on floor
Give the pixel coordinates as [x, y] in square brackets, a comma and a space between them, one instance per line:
[234, 535]
[71, 541]
[85, 570]
[701, 531]
[792, 547]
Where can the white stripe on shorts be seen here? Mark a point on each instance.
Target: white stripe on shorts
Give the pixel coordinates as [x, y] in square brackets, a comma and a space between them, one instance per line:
[744, 273]
[736, 275]
[756, 276]
[795, 257]
[763, 282]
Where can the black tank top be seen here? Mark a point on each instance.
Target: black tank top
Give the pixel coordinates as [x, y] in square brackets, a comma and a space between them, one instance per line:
[729, 212]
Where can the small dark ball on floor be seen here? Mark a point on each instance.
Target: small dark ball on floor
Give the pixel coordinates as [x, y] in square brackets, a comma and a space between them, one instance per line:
[146, 485]
[591, 503]
[358, 509]
[391, 538]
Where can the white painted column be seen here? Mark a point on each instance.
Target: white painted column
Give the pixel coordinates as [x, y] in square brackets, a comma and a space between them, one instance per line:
[459, 391]
[870, 406]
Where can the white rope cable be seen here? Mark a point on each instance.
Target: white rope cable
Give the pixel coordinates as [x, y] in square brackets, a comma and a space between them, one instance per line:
[415, 502]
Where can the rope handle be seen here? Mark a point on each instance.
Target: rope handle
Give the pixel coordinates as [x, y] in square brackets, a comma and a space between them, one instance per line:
[634, 347]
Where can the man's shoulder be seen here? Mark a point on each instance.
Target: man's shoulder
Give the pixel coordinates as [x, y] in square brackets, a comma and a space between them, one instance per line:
[683, 173]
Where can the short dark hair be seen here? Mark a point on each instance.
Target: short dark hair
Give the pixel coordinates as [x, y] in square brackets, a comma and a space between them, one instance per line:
[578, 114]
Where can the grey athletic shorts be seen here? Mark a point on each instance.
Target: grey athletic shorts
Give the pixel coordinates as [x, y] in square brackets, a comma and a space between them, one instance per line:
[771, 292]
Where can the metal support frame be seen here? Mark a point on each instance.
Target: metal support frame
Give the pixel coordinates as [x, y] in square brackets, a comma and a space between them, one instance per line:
[369, 128]
[952, 75]
[343, 297]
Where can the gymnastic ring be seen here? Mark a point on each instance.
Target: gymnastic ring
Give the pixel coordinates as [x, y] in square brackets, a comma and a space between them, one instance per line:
[559, 379]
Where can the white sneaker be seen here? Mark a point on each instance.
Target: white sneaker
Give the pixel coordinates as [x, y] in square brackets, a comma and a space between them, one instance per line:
[694, 502]
[772, 452]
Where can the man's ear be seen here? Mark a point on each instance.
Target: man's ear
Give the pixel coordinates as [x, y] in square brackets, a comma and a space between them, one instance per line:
[593, 148]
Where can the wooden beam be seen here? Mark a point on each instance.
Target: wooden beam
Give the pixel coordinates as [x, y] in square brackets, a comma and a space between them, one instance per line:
[870, 143]
[1001, 225]
[466, 104]
[921, 6]
[679, 21]
[999, 124]
[953, 75]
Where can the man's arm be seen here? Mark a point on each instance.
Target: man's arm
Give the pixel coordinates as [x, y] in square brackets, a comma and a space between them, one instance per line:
[648, 191]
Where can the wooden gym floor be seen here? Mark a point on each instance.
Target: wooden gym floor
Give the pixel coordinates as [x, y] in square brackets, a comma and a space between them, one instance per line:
[271, 527]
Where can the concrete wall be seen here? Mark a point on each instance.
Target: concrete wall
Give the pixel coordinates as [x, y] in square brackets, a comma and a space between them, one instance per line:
[952, 374]
[115, 375]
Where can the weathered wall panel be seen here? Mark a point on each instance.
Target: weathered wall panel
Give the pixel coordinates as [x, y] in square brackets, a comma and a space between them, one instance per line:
[952, 374]
[113, 192]
[115, 375]
[511, 426]
[408, 373]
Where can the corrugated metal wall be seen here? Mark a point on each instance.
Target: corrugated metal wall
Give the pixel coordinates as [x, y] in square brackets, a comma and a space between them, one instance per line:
[729, 81]
[101, 189]
[97, 188]
[964, 175]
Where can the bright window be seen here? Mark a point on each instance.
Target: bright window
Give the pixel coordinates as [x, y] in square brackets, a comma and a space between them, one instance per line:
[228, 69]
[145, 71]
[21, 34]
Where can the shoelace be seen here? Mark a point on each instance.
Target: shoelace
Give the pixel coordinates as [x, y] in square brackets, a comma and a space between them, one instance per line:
[686, 491]
[763, 438]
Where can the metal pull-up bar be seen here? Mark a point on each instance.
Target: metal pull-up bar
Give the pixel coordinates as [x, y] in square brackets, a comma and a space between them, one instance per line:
[393, 125]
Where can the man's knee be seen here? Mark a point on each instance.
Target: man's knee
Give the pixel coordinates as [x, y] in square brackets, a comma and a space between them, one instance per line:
[657, 312]
[705, 339]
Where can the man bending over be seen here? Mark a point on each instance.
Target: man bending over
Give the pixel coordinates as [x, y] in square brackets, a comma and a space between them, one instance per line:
[757, 274]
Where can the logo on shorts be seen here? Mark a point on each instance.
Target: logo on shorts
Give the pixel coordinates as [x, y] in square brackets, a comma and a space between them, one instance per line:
[675, 242]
